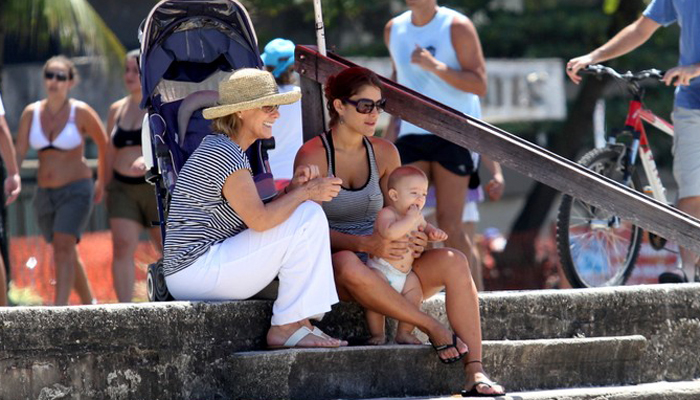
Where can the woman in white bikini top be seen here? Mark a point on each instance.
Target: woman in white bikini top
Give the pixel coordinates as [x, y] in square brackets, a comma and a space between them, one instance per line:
[55, 127]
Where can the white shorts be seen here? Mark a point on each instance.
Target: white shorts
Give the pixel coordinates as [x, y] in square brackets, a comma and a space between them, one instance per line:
[686, 151]
[397, 279]
[471, 212]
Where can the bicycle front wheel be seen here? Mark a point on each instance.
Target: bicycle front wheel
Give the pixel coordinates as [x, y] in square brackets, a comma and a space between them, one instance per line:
[596, 247]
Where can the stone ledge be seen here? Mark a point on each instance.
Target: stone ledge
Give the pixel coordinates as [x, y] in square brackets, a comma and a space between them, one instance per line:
[401, 370]
[171, 350]
[685, 390]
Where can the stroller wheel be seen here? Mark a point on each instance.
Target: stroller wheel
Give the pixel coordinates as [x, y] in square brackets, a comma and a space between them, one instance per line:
[155, 283]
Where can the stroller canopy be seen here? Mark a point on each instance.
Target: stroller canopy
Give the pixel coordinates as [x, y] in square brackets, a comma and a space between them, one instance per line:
[189, 40]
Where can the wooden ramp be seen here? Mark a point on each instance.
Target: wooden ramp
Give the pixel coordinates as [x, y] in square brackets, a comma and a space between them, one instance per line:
[519, 154]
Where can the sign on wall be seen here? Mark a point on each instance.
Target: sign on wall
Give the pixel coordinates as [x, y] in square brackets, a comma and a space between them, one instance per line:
[519, 90]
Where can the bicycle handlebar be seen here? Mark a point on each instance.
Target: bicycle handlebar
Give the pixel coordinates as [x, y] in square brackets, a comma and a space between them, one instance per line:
[600, 70]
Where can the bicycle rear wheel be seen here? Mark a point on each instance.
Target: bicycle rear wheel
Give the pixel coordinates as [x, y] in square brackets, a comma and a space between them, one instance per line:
[597, 248]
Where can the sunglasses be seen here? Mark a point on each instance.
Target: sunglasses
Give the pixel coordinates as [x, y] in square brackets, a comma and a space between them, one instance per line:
[60, 76]
[365, 106]
[269, 109]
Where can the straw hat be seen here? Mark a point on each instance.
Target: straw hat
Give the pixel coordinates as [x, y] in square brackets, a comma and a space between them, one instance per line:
[246, 89]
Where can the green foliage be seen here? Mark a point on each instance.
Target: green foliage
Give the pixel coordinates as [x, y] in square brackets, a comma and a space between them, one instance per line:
[71, 26]
[352, 27]
[610, 6]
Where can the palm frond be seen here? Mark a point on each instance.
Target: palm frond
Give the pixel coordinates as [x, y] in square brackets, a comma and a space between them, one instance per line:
[72, 24]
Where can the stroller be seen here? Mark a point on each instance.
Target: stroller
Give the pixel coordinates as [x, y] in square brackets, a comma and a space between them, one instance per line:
[187, 48]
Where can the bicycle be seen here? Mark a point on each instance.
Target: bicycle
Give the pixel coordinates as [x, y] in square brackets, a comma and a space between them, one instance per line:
[598, 248]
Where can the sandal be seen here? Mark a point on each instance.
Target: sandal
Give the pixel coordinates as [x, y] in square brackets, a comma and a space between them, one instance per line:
[443, 347]
[473, 392]
[301, 333]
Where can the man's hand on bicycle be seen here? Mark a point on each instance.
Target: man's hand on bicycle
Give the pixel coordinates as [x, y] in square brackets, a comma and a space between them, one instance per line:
[576, 64]
[681, 76]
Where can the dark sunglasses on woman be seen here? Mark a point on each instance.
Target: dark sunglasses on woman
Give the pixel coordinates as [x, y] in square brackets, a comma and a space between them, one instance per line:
[365, 106]
[60, 76]
[270, 109]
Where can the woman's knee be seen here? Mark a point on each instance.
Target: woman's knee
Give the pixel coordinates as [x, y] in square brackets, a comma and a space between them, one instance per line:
[64, 250]
[312, 208]
[123, 246]
[311, 212]
[349, 269]
[451, 262]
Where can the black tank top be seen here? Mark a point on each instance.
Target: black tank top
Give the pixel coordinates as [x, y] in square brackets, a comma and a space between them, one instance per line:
[123, 137]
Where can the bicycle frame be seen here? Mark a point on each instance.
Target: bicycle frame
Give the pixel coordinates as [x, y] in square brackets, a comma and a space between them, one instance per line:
[636, 114]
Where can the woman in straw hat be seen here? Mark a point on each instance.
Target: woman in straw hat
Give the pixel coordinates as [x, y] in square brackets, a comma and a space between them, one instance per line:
[223, 243]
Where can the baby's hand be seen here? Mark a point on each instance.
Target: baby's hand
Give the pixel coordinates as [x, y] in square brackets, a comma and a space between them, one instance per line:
[437, 235]
[413, 211]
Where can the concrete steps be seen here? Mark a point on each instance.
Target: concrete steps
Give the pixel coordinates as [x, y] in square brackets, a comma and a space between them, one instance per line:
[688, 390]
[400, 370]
[183, 350]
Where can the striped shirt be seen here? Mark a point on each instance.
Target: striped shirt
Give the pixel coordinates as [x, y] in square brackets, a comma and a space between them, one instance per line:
[199, 215]
[354, 211]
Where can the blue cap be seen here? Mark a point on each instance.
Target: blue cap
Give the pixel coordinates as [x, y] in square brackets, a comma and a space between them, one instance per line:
[279, 54]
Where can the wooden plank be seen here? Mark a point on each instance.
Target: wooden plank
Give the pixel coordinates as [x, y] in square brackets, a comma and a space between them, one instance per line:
[519, 154]
[312, 114]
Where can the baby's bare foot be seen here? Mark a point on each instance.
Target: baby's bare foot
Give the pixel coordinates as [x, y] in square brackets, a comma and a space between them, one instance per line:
[406, 338]
[376, 340]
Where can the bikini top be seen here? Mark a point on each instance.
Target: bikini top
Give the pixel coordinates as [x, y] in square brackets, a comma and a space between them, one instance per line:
[68, 139]
[124, 137]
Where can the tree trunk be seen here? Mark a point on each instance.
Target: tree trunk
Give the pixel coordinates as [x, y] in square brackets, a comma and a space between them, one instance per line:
[517, 265]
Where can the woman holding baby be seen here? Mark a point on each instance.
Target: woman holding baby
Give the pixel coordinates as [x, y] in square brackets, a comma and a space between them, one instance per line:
[349, 150]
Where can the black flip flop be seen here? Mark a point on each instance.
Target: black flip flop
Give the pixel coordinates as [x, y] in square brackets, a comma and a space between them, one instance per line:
[443, 347]
[475, 393]
[673, 277]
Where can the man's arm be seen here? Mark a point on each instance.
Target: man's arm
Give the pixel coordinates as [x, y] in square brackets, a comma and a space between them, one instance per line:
[471, 77]
[628, 39]
[12, 185]
[496, 185]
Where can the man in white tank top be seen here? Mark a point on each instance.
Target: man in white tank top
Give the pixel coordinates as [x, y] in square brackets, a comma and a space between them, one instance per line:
[436, 51]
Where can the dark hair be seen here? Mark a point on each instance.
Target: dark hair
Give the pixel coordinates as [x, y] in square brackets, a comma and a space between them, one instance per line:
[72, 71]
[286, 77]
[345, 84]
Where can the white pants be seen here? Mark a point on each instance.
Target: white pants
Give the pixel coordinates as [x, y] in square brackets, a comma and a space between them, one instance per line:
[298, 251]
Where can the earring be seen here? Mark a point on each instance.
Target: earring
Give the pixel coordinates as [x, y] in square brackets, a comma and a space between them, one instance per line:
[341, 121]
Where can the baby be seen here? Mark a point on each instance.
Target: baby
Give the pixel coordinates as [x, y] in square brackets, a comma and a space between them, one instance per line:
[407, 190]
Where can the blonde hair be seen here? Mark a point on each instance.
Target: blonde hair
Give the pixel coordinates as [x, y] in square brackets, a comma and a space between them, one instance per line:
[227, 125]
[403, 172]
[72, 71]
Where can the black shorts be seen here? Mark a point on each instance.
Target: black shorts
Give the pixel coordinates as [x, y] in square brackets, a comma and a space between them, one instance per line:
[454, 158]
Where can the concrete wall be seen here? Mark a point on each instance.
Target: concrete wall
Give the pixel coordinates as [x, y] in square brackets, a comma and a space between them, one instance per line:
[183, 350]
